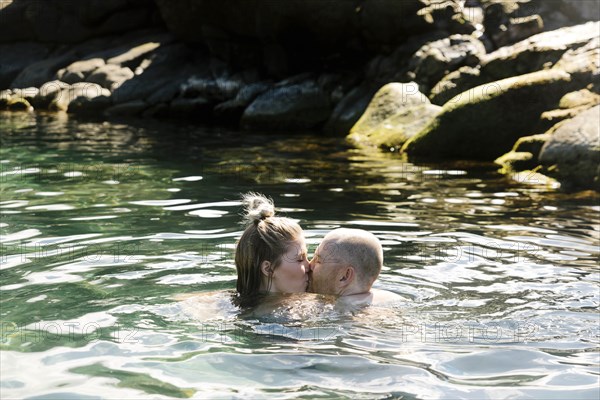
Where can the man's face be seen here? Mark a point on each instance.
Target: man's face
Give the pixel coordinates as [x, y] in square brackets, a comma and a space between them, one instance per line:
[326, 267]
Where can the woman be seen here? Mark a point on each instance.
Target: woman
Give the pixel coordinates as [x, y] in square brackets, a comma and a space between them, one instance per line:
[271, 255]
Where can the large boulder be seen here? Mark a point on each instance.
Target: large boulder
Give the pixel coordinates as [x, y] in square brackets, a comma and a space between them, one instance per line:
[572, 155]
[485, 122]
[436, 59]
[165, 65]
[350, 108]
[110, 76]
[294, 107]
[573, 49]
[396, 113]
[60, 21]
[534, 53]
[79, 70]
[40, 72]
[295, 34]
[16, 57]
[455, 83]
[64, 97]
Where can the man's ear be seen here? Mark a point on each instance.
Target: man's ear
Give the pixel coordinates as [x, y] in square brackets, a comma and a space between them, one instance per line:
[348, 276]
[265, 268]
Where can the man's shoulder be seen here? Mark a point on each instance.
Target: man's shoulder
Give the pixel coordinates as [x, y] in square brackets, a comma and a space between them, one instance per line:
[385, 297]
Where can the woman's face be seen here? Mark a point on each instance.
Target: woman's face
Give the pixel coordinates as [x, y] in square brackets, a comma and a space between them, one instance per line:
[291, 275]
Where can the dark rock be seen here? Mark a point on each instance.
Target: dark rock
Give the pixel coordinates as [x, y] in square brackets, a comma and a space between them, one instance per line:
[61, 21]
[455, 83]
[89, 105]
[48, 92]
[38, 73]
[572, 154]
[300, 106]
[232, 110]
[349, 109]
[110, 76]
[198, 108]
[27, 94]
[524, 154]
[18, 104]
[165, 65]
[397, 112]
[436, 59]
[130, 108]
[79, 70]
[537, 51]
[63, 98]
[297, 35]
[16, 57]
[485, 122]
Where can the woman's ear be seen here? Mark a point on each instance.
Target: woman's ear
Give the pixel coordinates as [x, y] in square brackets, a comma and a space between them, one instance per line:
[265, 268]
[348, 276]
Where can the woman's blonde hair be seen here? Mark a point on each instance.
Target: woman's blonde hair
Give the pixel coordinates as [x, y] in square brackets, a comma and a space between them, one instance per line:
[266, 238]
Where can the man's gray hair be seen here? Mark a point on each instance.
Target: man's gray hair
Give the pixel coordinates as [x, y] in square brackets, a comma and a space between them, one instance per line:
[359, 248]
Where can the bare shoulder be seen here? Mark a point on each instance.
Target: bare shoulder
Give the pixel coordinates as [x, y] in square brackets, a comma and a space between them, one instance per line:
[203, 306]
[385, 297]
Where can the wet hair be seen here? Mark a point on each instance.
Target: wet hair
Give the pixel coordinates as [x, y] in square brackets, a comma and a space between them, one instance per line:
[266, 238]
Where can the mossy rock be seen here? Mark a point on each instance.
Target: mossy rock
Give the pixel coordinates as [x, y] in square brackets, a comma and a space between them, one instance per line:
[394, 131]
[484, 123]
[18, 104]
[396, 113]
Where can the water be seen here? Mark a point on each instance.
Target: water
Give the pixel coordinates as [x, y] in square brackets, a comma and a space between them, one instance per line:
[110, 230]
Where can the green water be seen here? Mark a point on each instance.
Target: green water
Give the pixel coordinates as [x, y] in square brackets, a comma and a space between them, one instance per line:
[104, 227]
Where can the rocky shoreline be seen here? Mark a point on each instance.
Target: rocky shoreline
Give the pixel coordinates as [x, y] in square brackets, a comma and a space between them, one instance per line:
[513, 81]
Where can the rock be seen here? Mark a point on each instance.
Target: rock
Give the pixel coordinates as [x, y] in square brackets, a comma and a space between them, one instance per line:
[537, 51]
[89, 105]
[80, 89]
[110, 76]
[5, 96]
[48, 92]
[60, 21]
[570, 105]
[197, 108]
[165, 65]
[524, 154]
[79, 70]
[129, 108]
[583, 63]
[516, 161]
[454, 83]
[232, 110]
[16, 57]
[572, 155]
[434, 60]
[485, 122]
[349, 109]
[560, 13]
[26, 94]
[388, 101]
[38, 73]
[579, 98]
[296, 34]
[394, 131]
[216, 89]
[300, 106]
[131, 57]
[18, 104]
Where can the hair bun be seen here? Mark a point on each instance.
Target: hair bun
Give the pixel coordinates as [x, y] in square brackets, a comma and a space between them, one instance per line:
[257, 207]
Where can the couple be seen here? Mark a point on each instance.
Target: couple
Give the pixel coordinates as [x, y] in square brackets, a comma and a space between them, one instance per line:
[271, 257]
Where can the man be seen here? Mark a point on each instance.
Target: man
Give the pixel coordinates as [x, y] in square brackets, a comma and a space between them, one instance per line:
[346, 264]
